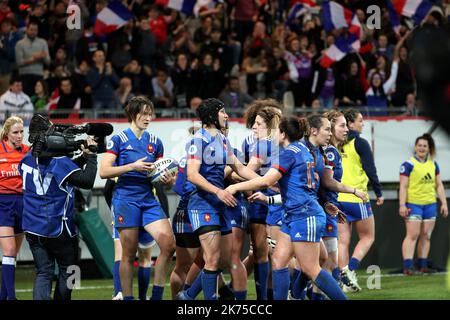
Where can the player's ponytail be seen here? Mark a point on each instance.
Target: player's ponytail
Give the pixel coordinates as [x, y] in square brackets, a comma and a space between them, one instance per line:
[431, 145]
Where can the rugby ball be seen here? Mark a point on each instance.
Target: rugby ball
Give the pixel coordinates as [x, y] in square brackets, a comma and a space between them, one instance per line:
[162, 165]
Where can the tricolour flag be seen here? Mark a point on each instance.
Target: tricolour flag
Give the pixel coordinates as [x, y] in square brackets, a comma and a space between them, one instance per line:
[112, 17]
[417, 10]
[185, 6]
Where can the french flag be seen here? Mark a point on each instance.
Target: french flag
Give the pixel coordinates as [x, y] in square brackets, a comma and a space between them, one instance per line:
[310, 3]
[336, 51]
[185, 6]
[335, 16]
[111, 18]
[296, 11]
[201, 5]
[417, 10]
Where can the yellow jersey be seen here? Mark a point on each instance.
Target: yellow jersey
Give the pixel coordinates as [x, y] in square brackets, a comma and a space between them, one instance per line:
[422, 180]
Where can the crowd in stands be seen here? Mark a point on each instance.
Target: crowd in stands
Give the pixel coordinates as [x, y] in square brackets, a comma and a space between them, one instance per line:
[239, 50]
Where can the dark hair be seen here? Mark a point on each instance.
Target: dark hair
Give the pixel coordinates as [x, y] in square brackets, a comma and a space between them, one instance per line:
[293, 127]
[351, 115]
[44, 87]
[33, 20]
[431, 145]
[271, 117]
[314, 121]
[136, 105]
[208, 112]
[232, 78]
[14, 78]
[332, 115]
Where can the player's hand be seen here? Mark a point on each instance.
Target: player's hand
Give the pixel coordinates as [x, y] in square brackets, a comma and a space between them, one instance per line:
[380, 201]
[403, 211]
[362, 195]
[166, 177]
[331, 209]
[231, 189]
[342, 217]
[444, 210]
[142, 166]
[258, 197]
[226, 197]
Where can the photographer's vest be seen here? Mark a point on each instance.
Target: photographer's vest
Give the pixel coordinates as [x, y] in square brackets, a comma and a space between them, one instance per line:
[353, 175]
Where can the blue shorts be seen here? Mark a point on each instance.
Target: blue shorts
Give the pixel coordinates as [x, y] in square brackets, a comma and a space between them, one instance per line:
[145, 239]
[11, 210]
[239, 215]
[128, 214]
[356, 211]
[274, 215]
[305, 229]
[422, 212]
[181, 223]
[202, 218]
[331, 227]
[258, 212]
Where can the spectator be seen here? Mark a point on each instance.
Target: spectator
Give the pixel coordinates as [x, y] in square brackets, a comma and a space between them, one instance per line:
[203, 33]
[124, 91]
[299, 61]
[245, 14]
[16, 101]
[280, 73]
[325, 89]
[140, 77]
[380, 68]
[40, 97]
[158, 25]
[119, 47]
[210, 77]
[233, 97]
[102, 79]
[31, 56]
[68, 100]
[411, 105]
[219, 49]
[162, 90]
[87, 45]
[182, 80]
[144, 43]
[383, 47]
[8, 40]
[255, 65]
[350, 89]
[405, 80]
[81, 86]
[258, 39]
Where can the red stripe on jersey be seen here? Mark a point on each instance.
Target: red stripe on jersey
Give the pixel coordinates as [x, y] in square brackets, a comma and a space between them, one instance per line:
[404, 174]
[193, 157]
[279, 168]
[112, 152]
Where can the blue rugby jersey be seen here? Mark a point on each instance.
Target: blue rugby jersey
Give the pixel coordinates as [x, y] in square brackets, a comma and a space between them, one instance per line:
[297, 185]
[214, 153]
[182, 186]
[128, 148]
[248, 146]
[268, 151]
[334, 161]
[48, 199]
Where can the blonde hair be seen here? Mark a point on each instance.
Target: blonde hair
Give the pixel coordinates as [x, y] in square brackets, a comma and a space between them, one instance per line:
[272, 118]
[7, 126]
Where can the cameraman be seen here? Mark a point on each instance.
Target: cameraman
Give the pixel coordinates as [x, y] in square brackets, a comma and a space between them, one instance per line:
[48, 213]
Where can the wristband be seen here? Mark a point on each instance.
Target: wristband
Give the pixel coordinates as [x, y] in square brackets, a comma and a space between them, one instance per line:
[276, 199]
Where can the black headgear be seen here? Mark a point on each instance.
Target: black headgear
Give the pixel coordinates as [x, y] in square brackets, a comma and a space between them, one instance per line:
[208, 112]
[39, 124]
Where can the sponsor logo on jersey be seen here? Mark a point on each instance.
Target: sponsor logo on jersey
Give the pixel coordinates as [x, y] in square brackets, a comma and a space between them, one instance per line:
[427, 178]
[150, 148]
[330, 156]
[297, 235]
[129, 147]
[207, 217]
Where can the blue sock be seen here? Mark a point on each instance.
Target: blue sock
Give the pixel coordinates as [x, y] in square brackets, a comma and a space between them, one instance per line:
[116, 277]
[209, 284]
[353, 264]
[336, 273]
[143, 281]
[317, 296]
[157, 293]
[240, 295]
[280, 284]
[186, 286]
[422, 263]
[9, 276]
[128, 298]
[407, 264]
[261, 272]
[299, 286]
[196, 287]
[3, 293]
[329, 286]
[294, 276]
